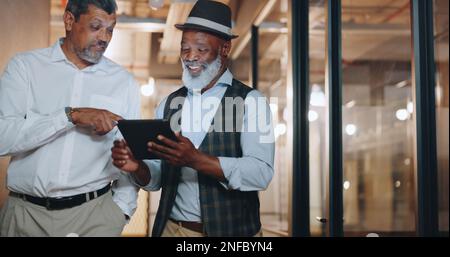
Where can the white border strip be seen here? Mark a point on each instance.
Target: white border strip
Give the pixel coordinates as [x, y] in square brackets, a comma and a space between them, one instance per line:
[209, 24]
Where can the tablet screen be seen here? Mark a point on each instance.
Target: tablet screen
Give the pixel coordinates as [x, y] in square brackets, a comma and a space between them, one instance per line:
[138, 133]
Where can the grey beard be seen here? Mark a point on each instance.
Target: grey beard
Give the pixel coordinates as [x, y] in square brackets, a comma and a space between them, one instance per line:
[205, 77]
[88, 56]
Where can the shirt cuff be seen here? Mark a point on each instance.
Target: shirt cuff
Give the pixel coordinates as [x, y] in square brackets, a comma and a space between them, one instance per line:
[61, 121]
[228, 165]
[155, 176]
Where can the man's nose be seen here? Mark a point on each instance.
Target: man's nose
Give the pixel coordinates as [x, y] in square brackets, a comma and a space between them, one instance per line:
[191, 57]
[103, 36]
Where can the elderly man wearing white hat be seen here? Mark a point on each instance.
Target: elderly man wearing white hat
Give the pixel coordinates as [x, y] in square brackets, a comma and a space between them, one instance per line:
[210, 176]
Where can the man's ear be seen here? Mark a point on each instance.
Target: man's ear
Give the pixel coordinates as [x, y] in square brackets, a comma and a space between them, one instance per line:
[69, 19]
[226, 49]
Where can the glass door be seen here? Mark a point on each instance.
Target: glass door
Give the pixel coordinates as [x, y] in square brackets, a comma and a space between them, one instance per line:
[378, 174]
[440, 8]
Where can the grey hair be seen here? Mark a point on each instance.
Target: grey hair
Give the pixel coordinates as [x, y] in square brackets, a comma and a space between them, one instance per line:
[79, 7]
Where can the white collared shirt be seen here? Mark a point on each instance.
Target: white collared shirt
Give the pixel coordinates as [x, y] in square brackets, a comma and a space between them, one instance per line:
[50, 157]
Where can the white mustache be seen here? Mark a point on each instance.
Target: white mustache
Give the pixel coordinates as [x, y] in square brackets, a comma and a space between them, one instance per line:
[195, 63]
[206, 76]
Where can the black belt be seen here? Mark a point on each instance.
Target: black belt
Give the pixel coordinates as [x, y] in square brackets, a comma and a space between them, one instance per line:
[62, 202]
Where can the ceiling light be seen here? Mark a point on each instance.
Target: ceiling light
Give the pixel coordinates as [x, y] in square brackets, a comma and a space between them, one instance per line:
[402, 84]
[317, 96]
[350, 129]
[148, 89]
[402, 114]
[410, 107]
[346, 185]
[156, 4]
[350, 104]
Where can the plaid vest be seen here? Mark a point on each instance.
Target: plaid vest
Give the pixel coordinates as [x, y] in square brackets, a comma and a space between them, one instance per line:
[223, 212]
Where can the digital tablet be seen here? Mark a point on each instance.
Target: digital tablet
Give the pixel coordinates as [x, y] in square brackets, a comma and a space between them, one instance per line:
[138, 133]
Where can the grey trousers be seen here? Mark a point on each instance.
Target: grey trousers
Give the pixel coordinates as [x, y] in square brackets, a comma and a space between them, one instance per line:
[98, 217]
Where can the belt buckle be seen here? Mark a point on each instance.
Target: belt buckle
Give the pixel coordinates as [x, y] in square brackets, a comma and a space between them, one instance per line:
[47, 204]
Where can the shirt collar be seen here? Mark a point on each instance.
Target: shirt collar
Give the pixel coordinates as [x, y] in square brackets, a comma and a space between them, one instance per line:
[58, 55]
[226, 78]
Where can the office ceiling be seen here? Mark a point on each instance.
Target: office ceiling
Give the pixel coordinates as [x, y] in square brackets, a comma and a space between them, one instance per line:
[147, 43]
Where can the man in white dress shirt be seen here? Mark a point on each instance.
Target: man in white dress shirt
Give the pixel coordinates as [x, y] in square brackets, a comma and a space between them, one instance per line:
[58, 110]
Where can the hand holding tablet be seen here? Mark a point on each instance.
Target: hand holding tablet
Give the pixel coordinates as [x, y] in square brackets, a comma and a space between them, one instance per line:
[138, 133]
